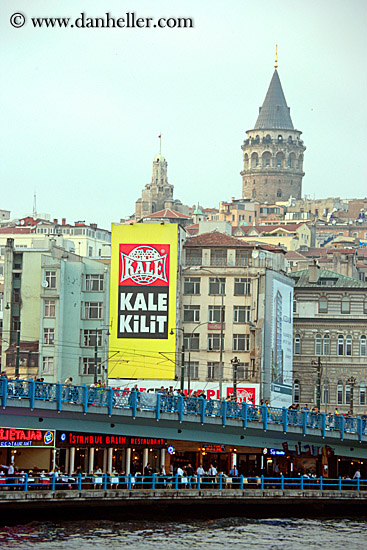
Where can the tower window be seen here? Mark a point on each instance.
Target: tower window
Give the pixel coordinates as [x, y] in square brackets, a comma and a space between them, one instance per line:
[253, 193]
[266, 180]
[280, 138]
[279, 193]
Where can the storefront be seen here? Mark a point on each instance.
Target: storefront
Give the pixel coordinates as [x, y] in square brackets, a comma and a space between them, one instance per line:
[27, 449]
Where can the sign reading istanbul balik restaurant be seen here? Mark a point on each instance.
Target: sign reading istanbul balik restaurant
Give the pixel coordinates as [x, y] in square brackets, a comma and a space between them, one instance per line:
[143, 297]
[70, 439]
[20, 437]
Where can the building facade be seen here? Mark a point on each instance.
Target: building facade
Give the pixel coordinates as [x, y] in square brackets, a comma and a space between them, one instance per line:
[330, 327]
[273, 151]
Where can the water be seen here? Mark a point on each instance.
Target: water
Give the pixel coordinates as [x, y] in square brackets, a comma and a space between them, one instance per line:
[233, 533]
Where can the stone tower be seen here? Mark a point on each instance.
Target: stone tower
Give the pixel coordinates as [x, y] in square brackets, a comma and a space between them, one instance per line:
[158, 194]
[273, 151]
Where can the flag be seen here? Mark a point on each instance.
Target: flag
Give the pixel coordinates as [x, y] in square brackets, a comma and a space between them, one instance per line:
[159, 136]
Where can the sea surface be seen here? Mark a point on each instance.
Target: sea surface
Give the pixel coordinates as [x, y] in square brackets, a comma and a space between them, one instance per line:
[228, 533]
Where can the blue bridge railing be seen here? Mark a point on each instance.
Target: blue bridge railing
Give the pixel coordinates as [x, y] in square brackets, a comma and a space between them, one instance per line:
[54, 482]
[109, 399]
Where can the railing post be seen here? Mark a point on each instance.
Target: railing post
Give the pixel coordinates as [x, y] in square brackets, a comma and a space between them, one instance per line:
[340, 483]
[4, 388]
[244, 414]
[129, 481]
[176, 481]
[321, 484]
[180, 407]
[85, 398]
[264, 416]
[198, 481]
[220, 481]
[202, 409]
[109, 400]
[158, 407]
[58, 396]
[262, 482]
[241, 482]
[360, 428]
[53, 482]
[358, 483]
[342, 426]
[224, 412]
[31, 392]
[301, 479]
[285, 419]
[104, 485]
[282, 482]
[153, 479]
[323, 424]
[79, 481]
[26, 482]
[304, 422]
[134, 402]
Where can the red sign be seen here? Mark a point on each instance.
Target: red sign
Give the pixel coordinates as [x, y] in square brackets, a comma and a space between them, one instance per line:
[72, 439]
[144, 265]
[19, 437]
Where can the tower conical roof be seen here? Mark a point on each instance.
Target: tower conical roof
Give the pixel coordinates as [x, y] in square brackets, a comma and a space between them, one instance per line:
[274, 113]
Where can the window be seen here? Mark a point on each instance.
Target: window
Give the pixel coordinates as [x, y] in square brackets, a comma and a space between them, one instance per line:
[339, 393]
[348, 345]
[47, 365]
[362, 393]
[347, 394]
[94, 283]
[241, 342]
[279, 193]
[241, 314]
[217, 286]
[49, 308]
[241, 286]
[318, 344]
[297, 344]
[215, 314]
[214, 342]
[192, 285]
[326, 350]
[88, 366]
[51, 279]
[213, 371]
[243, 371]
[365, 306]
[191, 342]
[296, 392]
[90, 251]
[323, 304]
[194, 369]
[243, 257]
[362, 348]
[345, 305]
[294, 305]
[340, 345]
[218, 256]
[194, 256]
[49, 336]
[89, 338]
[191, 314]
[325, 392]
[93, 310]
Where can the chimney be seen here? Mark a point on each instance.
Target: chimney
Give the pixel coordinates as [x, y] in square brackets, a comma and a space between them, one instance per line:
[63, 221]
[313, 272]
[56, 220]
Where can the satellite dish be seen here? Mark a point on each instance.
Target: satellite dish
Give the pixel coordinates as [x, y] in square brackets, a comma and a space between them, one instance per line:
[44, 284]
[262, 255]
[255, 253]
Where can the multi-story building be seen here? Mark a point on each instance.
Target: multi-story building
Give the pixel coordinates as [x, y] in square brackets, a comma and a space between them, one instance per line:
[230, 307]
[273, 151]
[290, 236]
[330, 326]
[55, 314]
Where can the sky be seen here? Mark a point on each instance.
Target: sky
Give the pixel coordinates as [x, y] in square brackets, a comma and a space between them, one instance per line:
[82, 108]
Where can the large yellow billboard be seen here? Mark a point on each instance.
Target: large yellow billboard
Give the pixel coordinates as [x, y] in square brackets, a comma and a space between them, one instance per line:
[143, 296]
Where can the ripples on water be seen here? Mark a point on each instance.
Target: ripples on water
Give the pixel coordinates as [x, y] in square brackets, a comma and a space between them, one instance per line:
[268, 534]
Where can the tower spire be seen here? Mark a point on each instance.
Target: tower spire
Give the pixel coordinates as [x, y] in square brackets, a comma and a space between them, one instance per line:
[276, 56]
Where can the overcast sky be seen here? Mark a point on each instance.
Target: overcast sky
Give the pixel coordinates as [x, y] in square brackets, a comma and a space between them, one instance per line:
[81, 109]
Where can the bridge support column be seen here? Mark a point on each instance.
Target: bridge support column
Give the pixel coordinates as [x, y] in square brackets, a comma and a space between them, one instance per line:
[72, 460]
[163, 458]
[105, 460]
[145, 457]
[128, 462]
[67, 454]
[91, 460]
[109, 460]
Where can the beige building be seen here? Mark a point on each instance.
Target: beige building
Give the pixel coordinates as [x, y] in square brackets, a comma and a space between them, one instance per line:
[330, 326]
[288, 236]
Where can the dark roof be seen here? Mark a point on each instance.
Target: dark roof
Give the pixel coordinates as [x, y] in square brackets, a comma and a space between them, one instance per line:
[274, 113]
[336, 279]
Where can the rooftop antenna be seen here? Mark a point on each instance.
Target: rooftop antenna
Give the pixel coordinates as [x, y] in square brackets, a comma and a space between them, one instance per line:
[276, 56]
[160, 143]
[35, 205]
